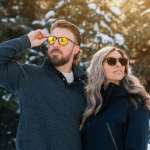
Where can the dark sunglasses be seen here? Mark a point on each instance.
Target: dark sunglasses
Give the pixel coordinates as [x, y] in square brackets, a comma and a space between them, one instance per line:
[62, 40]
[112, 61]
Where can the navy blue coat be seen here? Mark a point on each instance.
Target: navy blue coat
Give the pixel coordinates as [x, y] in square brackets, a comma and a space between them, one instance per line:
[117, 126]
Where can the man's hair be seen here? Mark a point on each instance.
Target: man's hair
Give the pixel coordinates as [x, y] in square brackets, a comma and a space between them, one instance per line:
[71, 27]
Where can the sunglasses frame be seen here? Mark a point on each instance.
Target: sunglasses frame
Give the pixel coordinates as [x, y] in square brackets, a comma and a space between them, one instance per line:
[116, 60]
[58, 40]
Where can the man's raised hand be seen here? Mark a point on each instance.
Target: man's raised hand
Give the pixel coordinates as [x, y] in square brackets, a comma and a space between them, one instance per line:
[37, 37]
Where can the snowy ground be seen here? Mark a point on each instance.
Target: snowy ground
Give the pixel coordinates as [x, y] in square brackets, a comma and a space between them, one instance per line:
[148, 147]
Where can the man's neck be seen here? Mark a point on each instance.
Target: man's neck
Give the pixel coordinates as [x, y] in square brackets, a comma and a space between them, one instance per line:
[65, 68]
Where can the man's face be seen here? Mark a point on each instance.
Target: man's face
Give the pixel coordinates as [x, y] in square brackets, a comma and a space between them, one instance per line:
[59, 55]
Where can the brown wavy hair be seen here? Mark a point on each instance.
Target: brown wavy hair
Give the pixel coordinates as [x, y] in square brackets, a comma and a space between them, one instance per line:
[96, 78]
[71, 27]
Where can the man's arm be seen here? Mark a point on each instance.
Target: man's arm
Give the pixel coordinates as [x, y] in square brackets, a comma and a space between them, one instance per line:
[10, 70]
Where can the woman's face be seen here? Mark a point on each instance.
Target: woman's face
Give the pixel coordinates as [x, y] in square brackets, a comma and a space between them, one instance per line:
[114, 73]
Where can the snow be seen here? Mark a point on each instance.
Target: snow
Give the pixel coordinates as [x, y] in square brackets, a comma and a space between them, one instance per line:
[115, 10]
[4, 19]
[59, 4]
[12, 20]
[45, 30]
[130, 71]
[8, 132]
[126, 47]
[27, 62]
[148, 147]
[18, 111]
[119, 39]
[82, 45]
[41, 22]
[103, 14]
[92, 6]
[7, 97]
[51, 20]
[105, 38]
[50, 14]
[81, 31]
[23, 26]
[96, 27]
[103, 24]
[146, 11]
[32, 58]
[90, 32]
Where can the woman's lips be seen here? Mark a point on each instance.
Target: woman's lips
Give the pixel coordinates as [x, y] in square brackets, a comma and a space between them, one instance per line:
[118, 71]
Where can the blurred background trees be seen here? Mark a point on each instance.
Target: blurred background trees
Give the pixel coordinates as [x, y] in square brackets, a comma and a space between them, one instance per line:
[123, 23]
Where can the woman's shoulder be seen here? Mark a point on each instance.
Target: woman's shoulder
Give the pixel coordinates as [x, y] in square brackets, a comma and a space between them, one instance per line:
[135, 106]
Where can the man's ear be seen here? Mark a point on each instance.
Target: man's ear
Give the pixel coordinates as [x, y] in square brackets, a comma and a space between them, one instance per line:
[76, 49]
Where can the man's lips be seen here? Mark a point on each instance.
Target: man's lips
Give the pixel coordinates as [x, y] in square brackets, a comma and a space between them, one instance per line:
[55, 52]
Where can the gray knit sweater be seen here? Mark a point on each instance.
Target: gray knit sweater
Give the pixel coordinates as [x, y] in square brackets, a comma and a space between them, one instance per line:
[50, 109]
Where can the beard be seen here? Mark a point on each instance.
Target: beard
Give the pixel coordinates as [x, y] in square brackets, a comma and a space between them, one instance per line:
[55, 60]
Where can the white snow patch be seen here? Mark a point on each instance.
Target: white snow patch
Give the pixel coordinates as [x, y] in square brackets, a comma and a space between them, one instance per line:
[95, 40]
[7, 97]
[41, 22]
[103, 14]
[51, 20]
[103, 24]
[115, 10]
[83, 45]
[49, 14]
[92, 6]
[81, 30]
[32, 58]
[59, 4]
[41, 54]
[105, 38]
[4, 19]
[27, 62]
[126, 47]
[119, 39]
[12, 20]
[23, 26]
[130, 71]
[145, 12]
[90, 32]
[8, 132]
[18, 111]
[96, 27]
[148, 147]
[45, 30]
[87, 70]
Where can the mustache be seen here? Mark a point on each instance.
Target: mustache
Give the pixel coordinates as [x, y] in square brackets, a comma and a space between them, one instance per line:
[56, 50]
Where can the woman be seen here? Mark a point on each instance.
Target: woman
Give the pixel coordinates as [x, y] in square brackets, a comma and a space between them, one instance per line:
[116, 116]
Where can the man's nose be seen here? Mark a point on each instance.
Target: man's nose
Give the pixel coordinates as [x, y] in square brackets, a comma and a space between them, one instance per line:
[56, 44]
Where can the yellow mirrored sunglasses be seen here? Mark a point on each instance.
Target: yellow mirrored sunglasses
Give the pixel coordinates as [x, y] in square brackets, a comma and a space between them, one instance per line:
[62, 40]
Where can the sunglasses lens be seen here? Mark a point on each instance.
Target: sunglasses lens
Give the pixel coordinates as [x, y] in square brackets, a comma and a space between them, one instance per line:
[51, 40]
[123, 61]
[111, 61]
[63, 41]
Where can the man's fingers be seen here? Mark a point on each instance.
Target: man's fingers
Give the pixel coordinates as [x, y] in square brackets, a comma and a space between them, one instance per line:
[41, 34]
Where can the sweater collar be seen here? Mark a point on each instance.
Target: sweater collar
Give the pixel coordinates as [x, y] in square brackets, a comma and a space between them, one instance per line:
[111, 94]
[78, 73]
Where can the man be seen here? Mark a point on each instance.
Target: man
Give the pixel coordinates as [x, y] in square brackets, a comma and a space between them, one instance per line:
[51, 96]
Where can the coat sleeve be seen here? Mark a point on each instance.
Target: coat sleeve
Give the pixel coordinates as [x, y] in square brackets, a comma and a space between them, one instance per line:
[10, 70]
[137, 129]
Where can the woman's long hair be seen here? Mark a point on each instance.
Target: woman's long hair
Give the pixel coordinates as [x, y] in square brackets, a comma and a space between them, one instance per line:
[96, 78]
